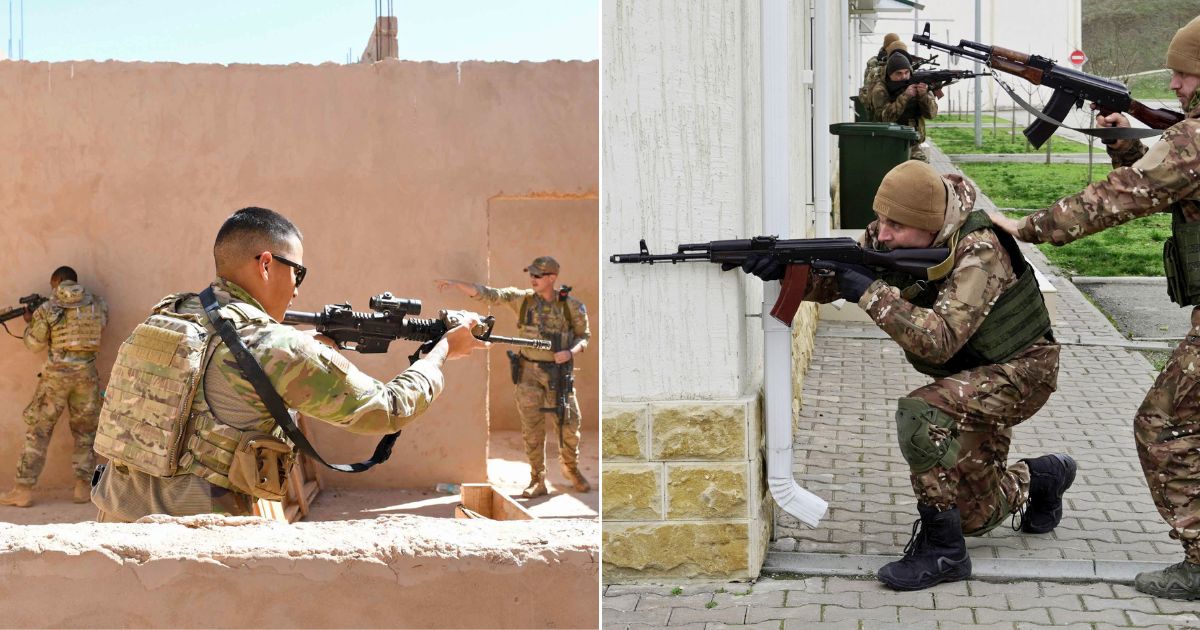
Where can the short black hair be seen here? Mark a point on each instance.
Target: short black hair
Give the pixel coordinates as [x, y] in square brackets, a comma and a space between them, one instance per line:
[252, 230]
[64, 273]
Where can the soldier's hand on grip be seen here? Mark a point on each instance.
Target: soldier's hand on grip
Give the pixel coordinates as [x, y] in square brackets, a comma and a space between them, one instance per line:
[852, 279]
[765, 267]
[460, 341]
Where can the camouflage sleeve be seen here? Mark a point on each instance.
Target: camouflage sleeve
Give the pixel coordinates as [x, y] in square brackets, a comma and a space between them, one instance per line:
[37, 334]
[103, 310]
[318, 381]
[928, 105]
[579, 321]
[981, 271]
[886, 109]
[508, 296]
[1127, 156]
[1169, 171]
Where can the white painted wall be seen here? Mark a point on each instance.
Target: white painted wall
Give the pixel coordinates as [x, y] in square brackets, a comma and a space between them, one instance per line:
[1050, 29]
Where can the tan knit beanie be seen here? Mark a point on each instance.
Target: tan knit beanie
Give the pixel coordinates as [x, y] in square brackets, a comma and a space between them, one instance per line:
[913, 194]
[894, 46]
[1183, 55]
[889, 38]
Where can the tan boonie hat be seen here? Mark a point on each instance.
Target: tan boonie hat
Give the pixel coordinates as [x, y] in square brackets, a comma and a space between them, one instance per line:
[543, 265]
[1183, 55]
[889, 38]
[913, 194]
[894, 46]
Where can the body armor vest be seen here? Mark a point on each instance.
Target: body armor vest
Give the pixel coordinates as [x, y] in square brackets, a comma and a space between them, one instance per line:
[76, 328]
[1017, 320]
[155, 417]
[528, 327]
[1181, 260]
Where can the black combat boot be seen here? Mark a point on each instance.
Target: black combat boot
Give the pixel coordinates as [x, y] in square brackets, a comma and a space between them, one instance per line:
[936, 553]
[1049, 478]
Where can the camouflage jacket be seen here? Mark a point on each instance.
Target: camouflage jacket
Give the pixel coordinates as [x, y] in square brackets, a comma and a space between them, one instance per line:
[543, 319]
[871, 75]
[313, 378]
[982, 271]
[1144, 181]
[902, 110]
[68, 294]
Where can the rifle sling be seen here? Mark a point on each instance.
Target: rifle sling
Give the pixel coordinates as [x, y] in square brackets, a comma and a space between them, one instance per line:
[271, 398]
[1104, 133]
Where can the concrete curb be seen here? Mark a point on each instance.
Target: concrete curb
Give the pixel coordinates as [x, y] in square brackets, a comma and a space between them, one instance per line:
[1151, 280]
[996, 569]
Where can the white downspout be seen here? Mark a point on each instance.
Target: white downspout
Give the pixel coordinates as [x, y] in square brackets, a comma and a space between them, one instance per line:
[777, 338]
[824, 82]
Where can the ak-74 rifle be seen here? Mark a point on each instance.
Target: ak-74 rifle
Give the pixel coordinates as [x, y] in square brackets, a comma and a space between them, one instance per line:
[798, 254]
[372, 332]
[1071, 88]
[938, 79]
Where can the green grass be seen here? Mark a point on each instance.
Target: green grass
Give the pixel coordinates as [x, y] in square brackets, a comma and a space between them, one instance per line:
[1131, 249]
[1151, 86]
[677, 591]
[1029, 186]
[955, 140]
[966, 118]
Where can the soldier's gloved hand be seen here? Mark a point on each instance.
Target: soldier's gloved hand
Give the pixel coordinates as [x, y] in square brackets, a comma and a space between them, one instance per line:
[852, 280]
[763, 266]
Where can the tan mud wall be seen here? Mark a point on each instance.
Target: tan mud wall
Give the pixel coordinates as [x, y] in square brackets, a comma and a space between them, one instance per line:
[126, 170]
[392, 572]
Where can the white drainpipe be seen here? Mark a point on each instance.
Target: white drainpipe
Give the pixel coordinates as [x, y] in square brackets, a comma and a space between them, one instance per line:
[777, 338]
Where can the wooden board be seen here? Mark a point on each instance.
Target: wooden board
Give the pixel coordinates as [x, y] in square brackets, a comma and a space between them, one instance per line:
[481, 500]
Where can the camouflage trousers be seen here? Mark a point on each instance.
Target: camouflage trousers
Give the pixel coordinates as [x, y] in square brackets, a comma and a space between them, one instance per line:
[916, 152]
[78, 393]
[1167, 431]
[986, 402]
[534, 393]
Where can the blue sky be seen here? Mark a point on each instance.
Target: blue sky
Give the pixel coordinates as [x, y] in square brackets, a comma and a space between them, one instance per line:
[304, 31]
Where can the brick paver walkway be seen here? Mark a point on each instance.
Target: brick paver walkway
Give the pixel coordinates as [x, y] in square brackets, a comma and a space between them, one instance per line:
[846, 452]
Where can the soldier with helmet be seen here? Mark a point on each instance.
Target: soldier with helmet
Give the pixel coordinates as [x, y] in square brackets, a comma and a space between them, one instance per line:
[1161, 178]
[543, 312]
[980, 328]
[69, 325]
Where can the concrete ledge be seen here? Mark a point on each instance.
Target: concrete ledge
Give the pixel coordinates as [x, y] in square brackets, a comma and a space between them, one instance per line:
[1160, 281]
[213, 571]
[1048, 570]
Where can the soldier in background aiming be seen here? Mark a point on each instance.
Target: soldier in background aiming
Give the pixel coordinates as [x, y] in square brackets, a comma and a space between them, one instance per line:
[894, 99]
[69, 324]
[544, 313]
[874, 73]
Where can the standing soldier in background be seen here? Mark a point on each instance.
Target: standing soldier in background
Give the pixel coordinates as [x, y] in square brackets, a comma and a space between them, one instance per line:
[894, 99]
[874, 73]
[1163, 178]
[544, 313]
[70, 323]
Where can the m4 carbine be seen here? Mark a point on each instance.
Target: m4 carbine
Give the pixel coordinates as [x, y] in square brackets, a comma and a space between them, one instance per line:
[797, 254]
[29, 304]
[373, 332]
[1071, 87]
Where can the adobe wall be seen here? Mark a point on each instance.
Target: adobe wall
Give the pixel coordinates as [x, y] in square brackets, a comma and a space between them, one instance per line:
[393, 572]
[126, 170]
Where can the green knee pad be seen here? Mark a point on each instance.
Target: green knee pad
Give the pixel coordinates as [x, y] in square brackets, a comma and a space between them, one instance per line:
[914, 418]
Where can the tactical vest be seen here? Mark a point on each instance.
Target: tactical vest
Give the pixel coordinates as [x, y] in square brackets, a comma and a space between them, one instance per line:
[1181, 260]
[76, 328]
[1017, 320]
[529, 328]
[155, 418]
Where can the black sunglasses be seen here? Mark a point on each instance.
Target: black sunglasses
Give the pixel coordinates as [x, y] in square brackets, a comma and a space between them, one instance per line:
[301, 270]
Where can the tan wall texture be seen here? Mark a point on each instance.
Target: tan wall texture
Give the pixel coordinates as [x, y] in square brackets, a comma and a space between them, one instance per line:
[392, 572]
[126, 170]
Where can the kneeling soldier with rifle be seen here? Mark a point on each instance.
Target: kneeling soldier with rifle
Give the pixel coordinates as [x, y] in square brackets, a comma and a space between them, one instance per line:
[544, 378]
[197, 406]
[981, 329]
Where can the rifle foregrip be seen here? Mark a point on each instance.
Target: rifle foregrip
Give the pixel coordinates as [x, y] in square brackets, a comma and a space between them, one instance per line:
[791, 292]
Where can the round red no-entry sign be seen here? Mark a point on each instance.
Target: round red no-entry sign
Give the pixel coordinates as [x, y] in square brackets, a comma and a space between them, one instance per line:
[1078, 58]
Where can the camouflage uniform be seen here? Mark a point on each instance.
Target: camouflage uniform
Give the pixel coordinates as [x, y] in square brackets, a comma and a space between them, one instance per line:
[904, 110]
[871, 75]
[1163, 178]
[312, 379]
[551, 320]
[68, 378]
[985, 402]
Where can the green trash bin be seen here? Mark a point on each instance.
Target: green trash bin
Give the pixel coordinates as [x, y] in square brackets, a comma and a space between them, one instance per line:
[868, 152]
[860, 113]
